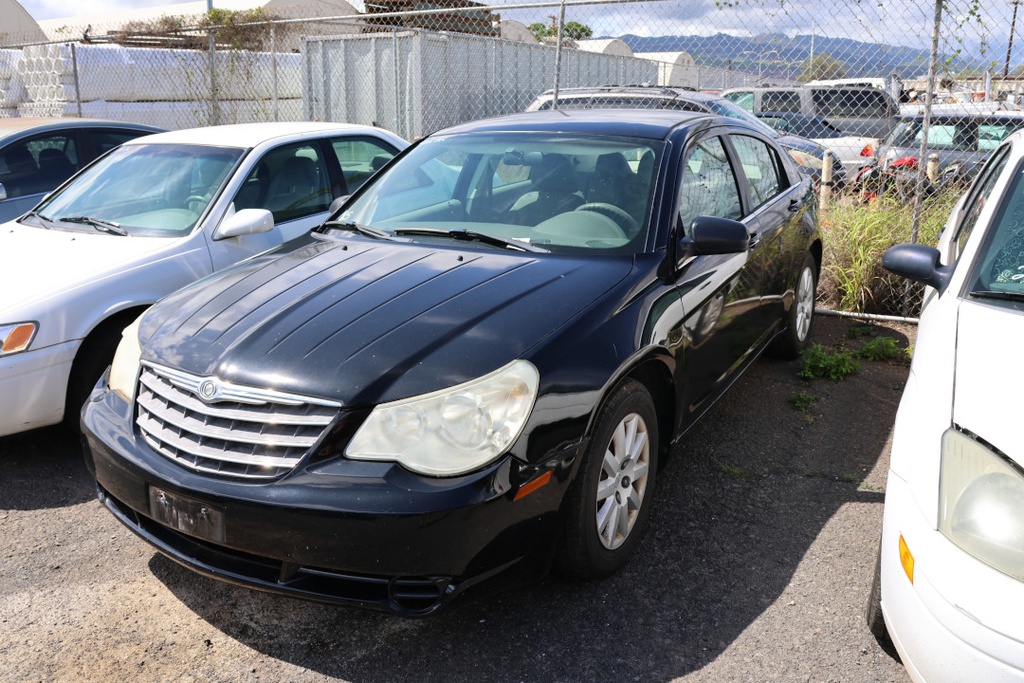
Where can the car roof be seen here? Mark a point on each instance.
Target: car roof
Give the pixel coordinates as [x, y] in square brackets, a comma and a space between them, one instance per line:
[647, 90]
[18, 126]
[248, 135]
[645, 123]
[994, 115]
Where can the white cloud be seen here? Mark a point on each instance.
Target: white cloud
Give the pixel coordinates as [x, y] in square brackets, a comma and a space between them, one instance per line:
[56, 9]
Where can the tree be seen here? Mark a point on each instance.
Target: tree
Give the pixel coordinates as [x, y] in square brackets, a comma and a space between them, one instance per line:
[573, 30]
[820, 66]
[577, 31]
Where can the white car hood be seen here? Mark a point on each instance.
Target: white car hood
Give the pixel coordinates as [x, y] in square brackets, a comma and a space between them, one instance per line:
[989, 375]
[38, 264]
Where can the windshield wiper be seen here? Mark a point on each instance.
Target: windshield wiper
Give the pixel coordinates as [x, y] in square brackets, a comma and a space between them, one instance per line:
[47, 222]
[357, 227]
[473, 236]
[991, 294]
[98, 223]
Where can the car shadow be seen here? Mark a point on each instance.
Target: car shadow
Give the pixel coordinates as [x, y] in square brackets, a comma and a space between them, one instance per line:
[53, 455]
[748, 492]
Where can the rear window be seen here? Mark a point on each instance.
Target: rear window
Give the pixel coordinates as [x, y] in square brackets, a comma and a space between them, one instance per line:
[850, 103]
[782, 101]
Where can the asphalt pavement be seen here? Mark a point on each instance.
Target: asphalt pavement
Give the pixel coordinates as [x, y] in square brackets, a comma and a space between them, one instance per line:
[756, 567]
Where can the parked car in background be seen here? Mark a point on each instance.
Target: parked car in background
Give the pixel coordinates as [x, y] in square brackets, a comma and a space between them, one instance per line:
[861, 111]
[434, 388]
[808, 153]
[949, 585]
[855, 151]
[153, 215]
[962, 142]
[37, 155]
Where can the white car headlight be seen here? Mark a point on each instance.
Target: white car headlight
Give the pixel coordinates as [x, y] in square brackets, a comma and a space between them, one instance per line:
[16, 337]
[124, 371]
[806, 160]
[452, 431]
[981, 503]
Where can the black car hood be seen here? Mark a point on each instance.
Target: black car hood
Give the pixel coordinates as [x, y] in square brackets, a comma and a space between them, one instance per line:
[366, 322]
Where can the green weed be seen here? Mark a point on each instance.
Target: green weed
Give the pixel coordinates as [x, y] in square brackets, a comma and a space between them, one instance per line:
[821, 363]
[803, 401]
[882, 349]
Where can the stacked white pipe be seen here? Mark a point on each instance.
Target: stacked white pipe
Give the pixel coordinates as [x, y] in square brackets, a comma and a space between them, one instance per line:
[163, 87]
[12, 91]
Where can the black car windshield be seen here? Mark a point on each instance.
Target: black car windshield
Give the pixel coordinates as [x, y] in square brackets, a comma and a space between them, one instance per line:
[147, 189]
[553, 191]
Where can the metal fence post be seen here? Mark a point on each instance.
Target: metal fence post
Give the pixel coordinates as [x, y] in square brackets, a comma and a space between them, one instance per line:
[558, 54]
[273, 68]
[214, 107]
[74, 70]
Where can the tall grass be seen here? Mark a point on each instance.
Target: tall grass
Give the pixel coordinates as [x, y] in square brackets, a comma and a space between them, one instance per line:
[856, 235]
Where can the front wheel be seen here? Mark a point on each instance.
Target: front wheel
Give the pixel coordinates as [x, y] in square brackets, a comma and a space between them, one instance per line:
[800, 318]
[609, 503]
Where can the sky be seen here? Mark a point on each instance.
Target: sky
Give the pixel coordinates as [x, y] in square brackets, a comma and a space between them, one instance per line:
[897, 22]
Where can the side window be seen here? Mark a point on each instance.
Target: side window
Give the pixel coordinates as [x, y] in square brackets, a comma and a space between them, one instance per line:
[991, 134]
[979, 198]
[760, 166]
[744, 98]
[875, 104]
[360, 158]
[105, 140]
[38, 165]
[781, 101]
[709, 185]
[290, 181]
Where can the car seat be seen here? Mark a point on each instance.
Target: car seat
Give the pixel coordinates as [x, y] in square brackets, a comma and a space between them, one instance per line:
[554, 190]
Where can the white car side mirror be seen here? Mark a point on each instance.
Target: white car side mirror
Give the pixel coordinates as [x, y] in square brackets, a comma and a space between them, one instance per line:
[245, 222]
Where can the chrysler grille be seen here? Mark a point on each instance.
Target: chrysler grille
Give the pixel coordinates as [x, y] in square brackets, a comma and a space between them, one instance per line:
[237, 431]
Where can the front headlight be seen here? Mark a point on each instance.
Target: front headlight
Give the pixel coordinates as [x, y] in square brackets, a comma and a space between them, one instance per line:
[452, 431]
[981, 503]
[124, 371]
[806, 160]
[16, 337]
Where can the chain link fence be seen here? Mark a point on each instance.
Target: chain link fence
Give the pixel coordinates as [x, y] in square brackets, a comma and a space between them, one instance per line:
[415, 67]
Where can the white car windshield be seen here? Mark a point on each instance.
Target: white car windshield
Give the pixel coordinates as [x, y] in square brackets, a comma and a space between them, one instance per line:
[148, 189]
[548, 191]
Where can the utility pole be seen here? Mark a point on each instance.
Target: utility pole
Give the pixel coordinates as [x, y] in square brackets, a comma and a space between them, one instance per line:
[1009, 44]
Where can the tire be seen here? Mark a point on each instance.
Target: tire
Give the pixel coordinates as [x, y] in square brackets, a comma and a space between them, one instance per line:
[800, 319]
[602, 522]
[95, 354]
[873, 614]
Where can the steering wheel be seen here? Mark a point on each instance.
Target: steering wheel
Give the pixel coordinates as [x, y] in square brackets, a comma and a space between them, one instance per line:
[198, 198]
[625, 221]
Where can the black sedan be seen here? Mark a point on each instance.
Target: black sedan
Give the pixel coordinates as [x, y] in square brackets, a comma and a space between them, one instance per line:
[477, 367]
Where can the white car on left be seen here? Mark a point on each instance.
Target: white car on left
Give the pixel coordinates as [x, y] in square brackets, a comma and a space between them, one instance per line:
[153, 215]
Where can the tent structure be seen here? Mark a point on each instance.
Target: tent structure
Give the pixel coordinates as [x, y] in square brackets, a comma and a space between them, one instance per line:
[18, 27]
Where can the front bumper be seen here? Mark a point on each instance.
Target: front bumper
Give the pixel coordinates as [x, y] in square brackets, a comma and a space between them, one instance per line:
[959, 619]
[362, 533]
[33, 387]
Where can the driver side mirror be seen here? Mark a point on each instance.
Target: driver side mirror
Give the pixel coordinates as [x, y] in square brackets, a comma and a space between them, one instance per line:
[336, 204]
[713, 235]
[3, 192]
[244, 222]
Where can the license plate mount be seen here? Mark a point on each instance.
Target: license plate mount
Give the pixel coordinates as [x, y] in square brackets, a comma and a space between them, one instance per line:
[187, 515]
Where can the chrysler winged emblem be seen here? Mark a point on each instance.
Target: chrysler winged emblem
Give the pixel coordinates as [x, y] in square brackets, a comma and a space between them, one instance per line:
[209, 389]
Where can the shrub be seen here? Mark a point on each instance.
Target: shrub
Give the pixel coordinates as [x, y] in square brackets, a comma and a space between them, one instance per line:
[856, 235]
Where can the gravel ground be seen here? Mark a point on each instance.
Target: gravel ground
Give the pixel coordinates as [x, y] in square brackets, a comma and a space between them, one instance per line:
[756, 568]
